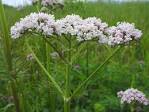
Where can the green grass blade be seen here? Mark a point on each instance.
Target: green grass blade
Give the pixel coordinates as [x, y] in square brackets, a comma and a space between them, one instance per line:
[5, 37]
[46, 72]
[8, 56]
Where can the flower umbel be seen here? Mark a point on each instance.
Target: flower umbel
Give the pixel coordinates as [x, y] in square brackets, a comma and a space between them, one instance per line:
[68, 25]
[47, 2]
[133, 95]
[83, 29]
[37, 22]
[122, 33]
[91, 28]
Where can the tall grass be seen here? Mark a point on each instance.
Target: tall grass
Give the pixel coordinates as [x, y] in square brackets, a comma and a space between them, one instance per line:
[8, 56]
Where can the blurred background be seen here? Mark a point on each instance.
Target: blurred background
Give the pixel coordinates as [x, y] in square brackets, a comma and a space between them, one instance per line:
[25, 2]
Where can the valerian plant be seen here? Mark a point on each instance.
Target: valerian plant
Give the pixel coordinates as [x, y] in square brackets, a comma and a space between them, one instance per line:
[48, 5]
[74, 28]
[133, 97]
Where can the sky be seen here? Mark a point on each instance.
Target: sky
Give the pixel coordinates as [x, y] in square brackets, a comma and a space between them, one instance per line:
[22, 2]
[16, 2]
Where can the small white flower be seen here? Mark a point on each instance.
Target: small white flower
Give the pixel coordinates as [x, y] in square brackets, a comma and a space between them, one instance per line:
[90, 28]
[38, 22]
[54, 55]
[68, 25]
[47, 2]
[122, 33]
[133, 95]
[29, 57]
[74, 25]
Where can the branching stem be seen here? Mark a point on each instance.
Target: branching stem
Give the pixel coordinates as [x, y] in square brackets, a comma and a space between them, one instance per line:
[94, 72]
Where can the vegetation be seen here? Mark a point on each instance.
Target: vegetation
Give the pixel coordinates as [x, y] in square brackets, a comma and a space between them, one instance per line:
[27, 81]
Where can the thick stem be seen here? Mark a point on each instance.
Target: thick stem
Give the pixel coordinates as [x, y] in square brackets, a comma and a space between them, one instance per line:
[66, 105]
[67, 86]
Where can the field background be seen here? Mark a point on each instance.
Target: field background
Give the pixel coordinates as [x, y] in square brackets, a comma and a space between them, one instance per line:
[129, 67]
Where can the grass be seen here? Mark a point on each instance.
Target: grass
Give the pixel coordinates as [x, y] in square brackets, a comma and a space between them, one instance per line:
[132, 62]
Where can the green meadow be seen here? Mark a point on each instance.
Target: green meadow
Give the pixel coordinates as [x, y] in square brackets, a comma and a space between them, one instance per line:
[128, 68]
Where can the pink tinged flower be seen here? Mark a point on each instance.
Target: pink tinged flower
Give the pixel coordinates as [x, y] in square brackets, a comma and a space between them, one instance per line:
[132, 95]
[83, 29]
[47, 2]
[68, 25]
[37, 22]
[122, 33]
[91, 28]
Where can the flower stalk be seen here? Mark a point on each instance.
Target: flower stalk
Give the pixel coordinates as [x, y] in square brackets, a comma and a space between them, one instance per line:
[66, 105]
[67, 85]
[94, 73]
[132, 109]
[46, 72]
[51, 94]
[87, 58]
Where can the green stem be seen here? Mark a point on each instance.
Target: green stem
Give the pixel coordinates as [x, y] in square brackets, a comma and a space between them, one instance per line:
[67, 86]
[66, 105]
[133, 80]
[121, 107]
[87, 59]
[51, 95]
[132, 109]
[15, 96]
[43, 54]
[46, 72]
[38, 5]
[7, 51]
[133, 77]
[93, 73]
[60, 55]
[5, 37]
[46, 60]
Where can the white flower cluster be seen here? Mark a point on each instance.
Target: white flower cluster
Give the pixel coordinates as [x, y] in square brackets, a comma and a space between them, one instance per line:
[47, 2]
[122, 33]
[40, 22]
[83, 29]
[133, 95]
[68, 25]
[90, 28]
